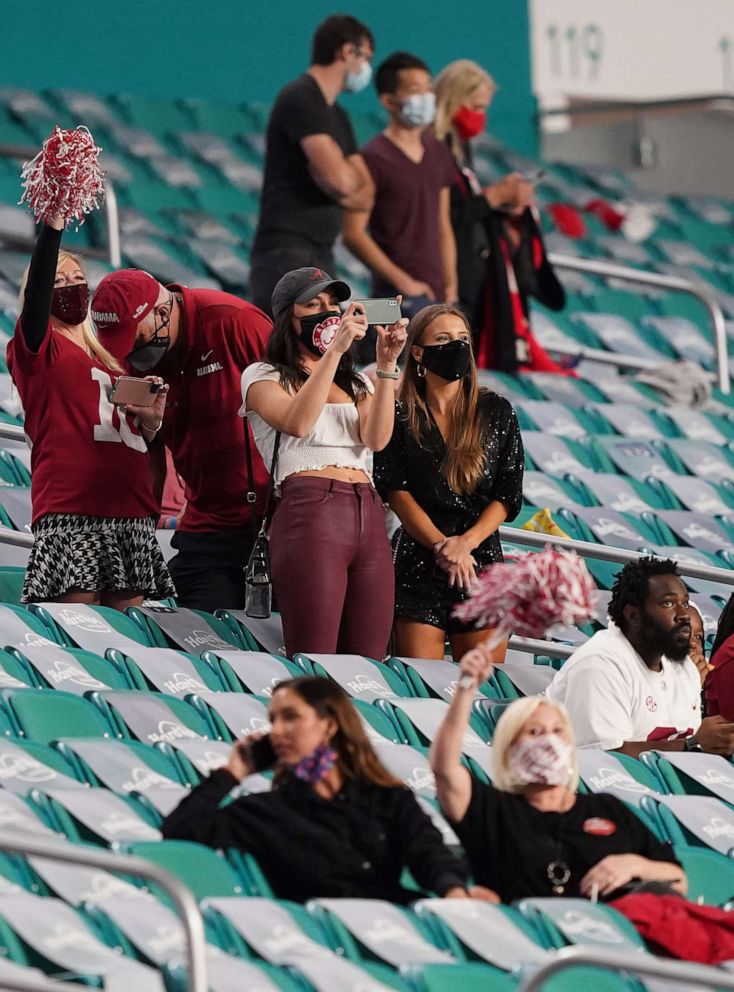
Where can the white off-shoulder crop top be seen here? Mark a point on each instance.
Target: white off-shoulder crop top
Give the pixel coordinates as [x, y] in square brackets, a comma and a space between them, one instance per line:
[333, 440]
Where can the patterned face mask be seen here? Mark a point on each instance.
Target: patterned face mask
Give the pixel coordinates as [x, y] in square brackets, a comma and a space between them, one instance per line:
[542, 760]
[316, 765]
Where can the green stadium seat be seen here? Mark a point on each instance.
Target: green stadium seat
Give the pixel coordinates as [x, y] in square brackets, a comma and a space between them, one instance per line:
[252, 634]
[283, 934]
[93, 628]
[463, 978]
[165, 670]
[228, 120]
[182, 629]
[251, 671]
[710, 875]
[70, 669]
[360, 677]
[693, 774]
[578, 921]
[369, 930]
[126, 767]
[205, 872]
[44, 716]
[14, 673]
[144, 112]
[150, 717]
[701, 821]
[232, 715]
[93, 815]
[27, 765]
[433, 679]
[29, 929]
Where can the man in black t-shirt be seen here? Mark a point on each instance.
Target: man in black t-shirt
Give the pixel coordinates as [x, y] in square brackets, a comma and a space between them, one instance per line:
[312, 170]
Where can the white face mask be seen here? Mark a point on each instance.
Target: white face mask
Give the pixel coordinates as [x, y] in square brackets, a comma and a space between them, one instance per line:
[357, 81]
[543, 760]
[419, 110]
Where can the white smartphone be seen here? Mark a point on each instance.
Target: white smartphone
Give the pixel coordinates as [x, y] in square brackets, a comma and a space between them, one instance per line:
[385, 311]
[129, 391]
[534, 176]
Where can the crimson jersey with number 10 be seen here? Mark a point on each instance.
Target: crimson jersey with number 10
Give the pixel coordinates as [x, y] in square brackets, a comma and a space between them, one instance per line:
[85, 458]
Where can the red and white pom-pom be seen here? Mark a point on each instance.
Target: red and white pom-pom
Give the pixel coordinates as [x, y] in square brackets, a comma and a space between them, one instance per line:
[64, 179]
[531, 595]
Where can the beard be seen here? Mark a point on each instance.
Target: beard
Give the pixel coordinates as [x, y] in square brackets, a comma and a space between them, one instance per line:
[675, 644]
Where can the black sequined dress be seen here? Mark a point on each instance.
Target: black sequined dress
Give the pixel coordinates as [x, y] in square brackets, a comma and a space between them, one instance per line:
[422, 592]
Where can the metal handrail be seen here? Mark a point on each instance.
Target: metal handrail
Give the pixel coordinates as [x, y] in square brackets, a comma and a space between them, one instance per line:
[535, 645]
[676, 283]
[181, 897]
[12, 432]
[639, 964]
[586, 549]
[22, 983]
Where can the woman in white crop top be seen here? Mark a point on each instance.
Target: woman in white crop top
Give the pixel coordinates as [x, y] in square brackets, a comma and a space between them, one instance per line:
[330, 558]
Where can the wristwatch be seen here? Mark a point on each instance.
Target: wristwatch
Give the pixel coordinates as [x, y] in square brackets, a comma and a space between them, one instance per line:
[691, 744]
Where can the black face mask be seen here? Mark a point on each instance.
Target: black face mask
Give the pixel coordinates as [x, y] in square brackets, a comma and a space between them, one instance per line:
[70, 304]
[448, 361]
[148, 355]
[318, 330]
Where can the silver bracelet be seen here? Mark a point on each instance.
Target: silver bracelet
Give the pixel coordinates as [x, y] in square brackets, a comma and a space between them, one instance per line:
[382, 374]
[153, 430]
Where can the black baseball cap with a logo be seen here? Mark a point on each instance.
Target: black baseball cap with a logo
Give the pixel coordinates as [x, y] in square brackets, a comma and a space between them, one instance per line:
[301, 285]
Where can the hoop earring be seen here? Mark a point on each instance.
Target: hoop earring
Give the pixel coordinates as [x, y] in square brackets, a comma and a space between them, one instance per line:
[420, 371]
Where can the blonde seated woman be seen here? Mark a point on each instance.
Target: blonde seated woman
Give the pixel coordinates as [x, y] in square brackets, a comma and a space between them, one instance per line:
[94, 512]
[530, 833]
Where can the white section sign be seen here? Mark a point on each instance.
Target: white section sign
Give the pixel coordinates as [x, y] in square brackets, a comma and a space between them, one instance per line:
[631, 50]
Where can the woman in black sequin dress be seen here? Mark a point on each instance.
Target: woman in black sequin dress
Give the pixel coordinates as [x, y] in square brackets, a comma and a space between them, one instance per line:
[453, 474]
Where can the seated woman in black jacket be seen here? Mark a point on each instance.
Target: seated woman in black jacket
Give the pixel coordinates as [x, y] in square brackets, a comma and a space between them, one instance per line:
[530, 834]
[336, 822]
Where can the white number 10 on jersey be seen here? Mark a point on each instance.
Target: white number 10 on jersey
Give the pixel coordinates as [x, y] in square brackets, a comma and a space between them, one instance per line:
[105, 430]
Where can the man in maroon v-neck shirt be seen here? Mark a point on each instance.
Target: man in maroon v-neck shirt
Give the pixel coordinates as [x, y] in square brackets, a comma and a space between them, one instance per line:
[407, 240]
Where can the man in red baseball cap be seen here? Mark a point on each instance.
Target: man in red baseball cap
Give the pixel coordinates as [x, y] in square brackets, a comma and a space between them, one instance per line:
[200, 341]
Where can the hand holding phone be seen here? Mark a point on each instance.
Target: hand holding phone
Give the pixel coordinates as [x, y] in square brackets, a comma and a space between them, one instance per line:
[384, 311]
[129, 391]
[260, 754]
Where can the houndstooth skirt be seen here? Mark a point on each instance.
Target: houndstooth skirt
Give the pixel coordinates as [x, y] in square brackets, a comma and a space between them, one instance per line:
[95, 554]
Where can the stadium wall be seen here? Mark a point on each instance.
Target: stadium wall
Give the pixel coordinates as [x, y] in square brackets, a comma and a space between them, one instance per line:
[239, 50]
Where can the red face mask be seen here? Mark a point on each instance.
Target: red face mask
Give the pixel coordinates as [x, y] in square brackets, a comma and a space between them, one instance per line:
[469, 122]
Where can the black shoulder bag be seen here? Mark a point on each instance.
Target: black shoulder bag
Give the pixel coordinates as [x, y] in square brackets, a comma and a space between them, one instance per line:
[258, 580]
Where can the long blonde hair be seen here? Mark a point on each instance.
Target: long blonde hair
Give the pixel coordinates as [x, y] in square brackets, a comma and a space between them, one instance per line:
[509, 726]
[465, 452]
[454, 86]
[99, 352]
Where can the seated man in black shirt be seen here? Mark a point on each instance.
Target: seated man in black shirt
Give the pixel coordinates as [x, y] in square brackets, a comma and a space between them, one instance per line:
[312, 169]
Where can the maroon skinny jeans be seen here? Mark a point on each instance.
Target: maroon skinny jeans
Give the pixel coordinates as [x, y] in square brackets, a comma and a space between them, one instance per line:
[332, 568]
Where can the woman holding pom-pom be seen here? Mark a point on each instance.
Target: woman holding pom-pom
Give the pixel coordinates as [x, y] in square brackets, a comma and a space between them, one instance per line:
[453, 474]
[93, 507]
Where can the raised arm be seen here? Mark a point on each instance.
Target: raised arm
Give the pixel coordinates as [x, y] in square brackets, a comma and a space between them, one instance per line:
[198, 816]
[377, 413]
[453, 781]
[40, 285]
[297, 414]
